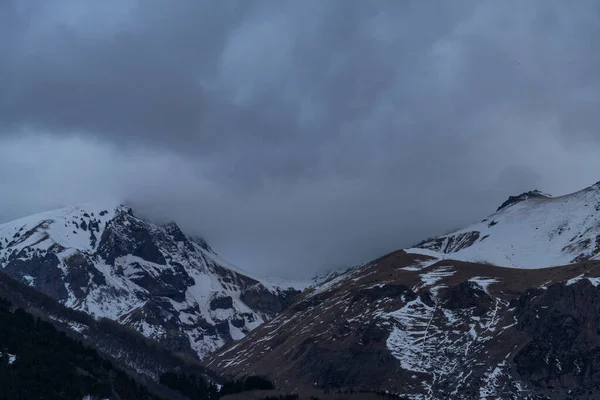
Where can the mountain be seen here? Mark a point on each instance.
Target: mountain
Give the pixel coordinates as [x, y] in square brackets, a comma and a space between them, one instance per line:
[532, 230]
[104, 260]
[441, 321]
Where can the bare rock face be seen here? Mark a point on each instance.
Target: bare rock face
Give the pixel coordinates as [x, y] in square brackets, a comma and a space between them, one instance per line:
[41, 272]
[172, 282]
[126, 235]
[564, 325]
[221, 302]
[267, 302]
[452, 243]
[467, 295]
[81, 275]
[109, 263]
[512, 200]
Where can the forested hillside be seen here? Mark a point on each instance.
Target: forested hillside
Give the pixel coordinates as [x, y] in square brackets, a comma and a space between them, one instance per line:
[39, 362]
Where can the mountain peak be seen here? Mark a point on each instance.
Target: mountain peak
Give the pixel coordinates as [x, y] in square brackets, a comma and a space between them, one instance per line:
[532, 194]
[595, 186]
[532, 230]
[108, 262]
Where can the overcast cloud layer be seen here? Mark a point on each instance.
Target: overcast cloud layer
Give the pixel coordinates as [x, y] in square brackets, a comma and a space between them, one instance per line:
[297, 136]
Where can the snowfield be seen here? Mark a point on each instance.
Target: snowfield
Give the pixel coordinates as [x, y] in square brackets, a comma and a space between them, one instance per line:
[537, 232]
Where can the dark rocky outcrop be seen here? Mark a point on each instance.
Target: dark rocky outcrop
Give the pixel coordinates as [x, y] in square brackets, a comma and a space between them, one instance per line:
[170, 282]
[173, 230]
[467, 295]
[512, 200]
[345, 367]
[306, 303]
[160, 312]
[238, 322]
[47, 276]
[81, 274]
[451, 244]
[178, 236]
[126, 235]
[221, 302]
[563, 323]
[202, 243]
[260, 299]
[427, 298]
[223, 330]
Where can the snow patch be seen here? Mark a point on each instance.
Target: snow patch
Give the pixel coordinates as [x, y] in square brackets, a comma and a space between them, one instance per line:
[491, 383]
[483, 282]
[432, 277]
[593, 280]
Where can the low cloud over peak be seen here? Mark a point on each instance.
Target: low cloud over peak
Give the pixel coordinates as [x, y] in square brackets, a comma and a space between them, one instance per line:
[297, 136]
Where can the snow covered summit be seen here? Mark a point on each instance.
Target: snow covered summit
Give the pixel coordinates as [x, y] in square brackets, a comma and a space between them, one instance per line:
[532, 230]
[105, 261]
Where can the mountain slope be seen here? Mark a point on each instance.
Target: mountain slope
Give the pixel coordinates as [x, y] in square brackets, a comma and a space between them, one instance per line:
[440, 321]
[430, 329]
[533, 230]
[105, 261]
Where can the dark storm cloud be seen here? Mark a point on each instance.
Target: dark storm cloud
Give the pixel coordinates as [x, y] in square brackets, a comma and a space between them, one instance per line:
[302, 133]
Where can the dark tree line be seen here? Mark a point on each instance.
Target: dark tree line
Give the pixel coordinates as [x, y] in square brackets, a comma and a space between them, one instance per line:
[191, 386]
[197, 388]
[49, 365]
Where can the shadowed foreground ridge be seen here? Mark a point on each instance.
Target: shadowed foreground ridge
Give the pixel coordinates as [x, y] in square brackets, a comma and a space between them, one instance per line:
[413, 325]
[38, 360]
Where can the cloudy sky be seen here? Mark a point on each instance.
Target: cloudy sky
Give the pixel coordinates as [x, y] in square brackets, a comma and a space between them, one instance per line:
[296, 135]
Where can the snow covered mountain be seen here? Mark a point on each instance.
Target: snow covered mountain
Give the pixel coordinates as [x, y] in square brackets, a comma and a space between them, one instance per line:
[532, 230]
[440, 321]
[105, 261]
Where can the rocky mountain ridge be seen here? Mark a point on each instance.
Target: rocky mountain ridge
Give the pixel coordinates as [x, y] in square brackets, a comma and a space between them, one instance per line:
[105, 261]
